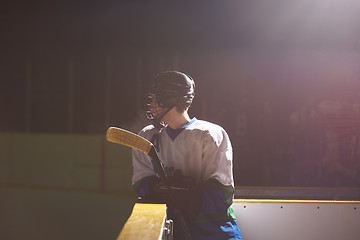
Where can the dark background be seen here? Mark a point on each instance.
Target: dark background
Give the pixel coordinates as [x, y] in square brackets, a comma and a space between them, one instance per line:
[264, 70]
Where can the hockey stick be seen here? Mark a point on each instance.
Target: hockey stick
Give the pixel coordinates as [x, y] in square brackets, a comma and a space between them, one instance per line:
[124, 137]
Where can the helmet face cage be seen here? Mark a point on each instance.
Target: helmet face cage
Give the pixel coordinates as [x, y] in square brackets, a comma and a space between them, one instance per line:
[152, 112]
[170, 89]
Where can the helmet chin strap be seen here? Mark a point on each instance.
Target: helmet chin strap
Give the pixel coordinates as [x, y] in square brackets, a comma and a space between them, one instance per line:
[157, 121]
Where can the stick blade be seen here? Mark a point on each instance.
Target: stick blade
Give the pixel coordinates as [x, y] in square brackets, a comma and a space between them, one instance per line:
[124, 137]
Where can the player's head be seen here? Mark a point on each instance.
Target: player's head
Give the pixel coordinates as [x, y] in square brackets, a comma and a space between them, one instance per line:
[168, 90]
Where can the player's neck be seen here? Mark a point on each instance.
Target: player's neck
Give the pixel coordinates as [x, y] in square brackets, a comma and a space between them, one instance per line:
[176, 120]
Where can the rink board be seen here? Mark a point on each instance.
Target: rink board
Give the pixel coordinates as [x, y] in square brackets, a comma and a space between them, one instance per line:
[298, 219]
[268, 219]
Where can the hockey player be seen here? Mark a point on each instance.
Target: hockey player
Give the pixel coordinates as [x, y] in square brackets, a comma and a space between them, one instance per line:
[197, 156]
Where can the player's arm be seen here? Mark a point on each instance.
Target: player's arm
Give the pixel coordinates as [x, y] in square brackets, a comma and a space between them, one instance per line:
[143, 173]
[179, 191]
[217, 198]
[218, 189]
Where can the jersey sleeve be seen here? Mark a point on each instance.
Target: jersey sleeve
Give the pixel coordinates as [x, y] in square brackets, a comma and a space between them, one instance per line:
[142, 166]
[142, 187]
[217, 200]
[218, 157]
[218, 185]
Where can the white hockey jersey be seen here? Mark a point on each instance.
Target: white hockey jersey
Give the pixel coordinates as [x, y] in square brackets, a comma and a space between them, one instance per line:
[200, 149]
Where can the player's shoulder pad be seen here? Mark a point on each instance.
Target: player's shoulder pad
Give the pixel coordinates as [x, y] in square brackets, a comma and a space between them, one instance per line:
[148, 131]
[215, 131]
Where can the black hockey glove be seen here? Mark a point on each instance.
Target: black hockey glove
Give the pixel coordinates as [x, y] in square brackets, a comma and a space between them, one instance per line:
[179, 192]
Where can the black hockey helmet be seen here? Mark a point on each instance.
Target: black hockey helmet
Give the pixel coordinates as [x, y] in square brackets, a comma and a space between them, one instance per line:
[171, 88]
